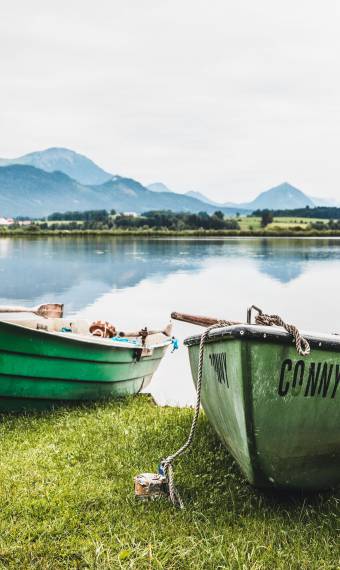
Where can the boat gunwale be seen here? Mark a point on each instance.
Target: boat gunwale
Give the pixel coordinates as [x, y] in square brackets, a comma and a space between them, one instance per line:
[320, 341]
[84, 339]
[42, 356]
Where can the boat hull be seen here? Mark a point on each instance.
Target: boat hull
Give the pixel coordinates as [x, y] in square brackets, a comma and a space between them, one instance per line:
[39, 369]
[277, 412]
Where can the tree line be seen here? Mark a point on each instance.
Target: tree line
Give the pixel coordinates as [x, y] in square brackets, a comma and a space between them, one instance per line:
[162, 219]
[321, 212]
[85, 216]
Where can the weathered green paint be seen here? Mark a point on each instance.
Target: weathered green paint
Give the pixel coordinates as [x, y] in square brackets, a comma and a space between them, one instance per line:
[39, 369]
[278, 413]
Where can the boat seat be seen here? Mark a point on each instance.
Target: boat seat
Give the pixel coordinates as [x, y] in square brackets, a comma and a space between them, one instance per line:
[53, 325]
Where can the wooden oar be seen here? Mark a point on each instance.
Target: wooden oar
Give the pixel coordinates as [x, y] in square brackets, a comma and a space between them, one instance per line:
[49, 310]
[198, 320]
[167, 332]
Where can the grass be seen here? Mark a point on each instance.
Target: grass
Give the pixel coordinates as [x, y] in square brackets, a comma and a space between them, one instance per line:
[283, 222]
[66, 498]
[279, 223]
[271, 232]
[249, 223]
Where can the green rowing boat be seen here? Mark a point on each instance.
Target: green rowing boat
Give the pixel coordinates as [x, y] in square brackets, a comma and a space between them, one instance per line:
[278, 413]
[46, 361]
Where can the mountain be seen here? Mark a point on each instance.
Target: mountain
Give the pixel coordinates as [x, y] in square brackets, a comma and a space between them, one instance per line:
[29, 191]
[282, 197]
[158, 187]
[129, 195]
[203, 198]
[75, 165]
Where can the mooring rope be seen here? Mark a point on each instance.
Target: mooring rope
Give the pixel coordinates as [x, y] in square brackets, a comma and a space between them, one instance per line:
[302, 347]
[167, 464]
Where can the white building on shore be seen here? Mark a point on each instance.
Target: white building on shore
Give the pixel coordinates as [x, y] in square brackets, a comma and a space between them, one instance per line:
[6, 221]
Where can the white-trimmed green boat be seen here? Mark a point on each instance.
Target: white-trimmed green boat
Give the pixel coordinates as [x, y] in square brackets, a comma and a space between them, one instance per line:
[276, 411]
[45, 361]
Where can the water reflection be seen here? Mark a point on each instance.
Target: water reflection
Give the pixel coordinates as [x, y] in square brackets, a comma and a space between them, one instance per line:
[81, 270]
[133, 282]
[286, 259]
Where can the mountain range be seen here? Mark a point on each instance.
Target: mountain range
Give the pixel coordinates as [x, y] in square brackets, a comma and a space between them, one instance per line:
[281, 197]
[59, 179]
[26, 190]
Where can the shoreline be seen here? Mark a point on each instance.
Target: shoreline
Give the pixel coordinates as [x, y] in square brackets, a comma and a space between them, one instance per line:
[170, 233]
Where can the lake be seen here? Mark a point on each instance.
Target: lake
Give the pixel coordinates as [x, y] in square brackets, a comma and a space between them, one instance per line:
[133, 282]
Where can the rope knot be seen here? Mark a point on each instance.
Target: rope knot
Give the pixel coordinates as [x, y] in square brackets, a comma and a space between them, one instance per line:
[302, 344]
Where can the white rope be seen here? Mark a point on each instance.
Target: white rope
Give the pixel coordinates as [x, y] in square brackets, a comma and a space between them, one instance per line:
[167, 464]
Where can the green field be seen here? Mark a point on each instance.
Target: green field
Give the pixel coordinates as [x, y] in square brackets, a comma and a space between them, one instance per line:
[66, 499]
[254, 223]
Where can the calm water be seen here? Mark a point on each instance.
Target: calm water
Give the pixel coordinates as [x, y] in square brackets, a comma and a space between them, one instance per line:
[137, 282]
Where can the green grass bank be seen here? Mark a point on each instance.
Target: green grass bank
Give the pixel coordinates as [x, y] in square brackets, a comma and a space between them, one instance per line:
[280, 232]
[66, 498]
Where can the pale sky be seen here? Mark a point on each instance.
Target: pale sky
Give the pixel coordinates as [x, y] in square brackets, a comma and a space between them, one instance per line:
[224, 97]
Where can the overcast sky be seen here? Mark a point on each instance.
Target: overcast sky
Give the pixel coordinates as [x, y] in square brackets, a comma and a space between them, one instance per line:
[225, 97]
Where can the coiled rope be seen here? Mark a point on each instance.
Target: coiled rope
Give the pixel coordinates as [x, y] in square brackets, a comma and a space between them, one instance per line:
[302, 345]
[166, 465]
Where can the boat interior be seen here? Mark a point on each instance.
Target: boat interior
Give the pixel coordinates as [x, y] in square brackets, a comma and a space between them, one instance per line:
[80, 328]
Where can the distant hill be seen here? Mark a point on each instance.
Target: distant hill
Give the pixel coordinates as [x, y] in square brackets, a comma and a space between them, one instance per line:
[284, 196]
[129, 195]
[75, 165]
[203, 198]
[29, 191]
[158, 187]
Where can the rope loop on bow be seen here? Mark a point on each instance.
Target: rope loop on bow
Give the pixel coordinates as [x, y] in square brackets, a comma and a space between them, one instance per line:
[166, 465]
[302, 345]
